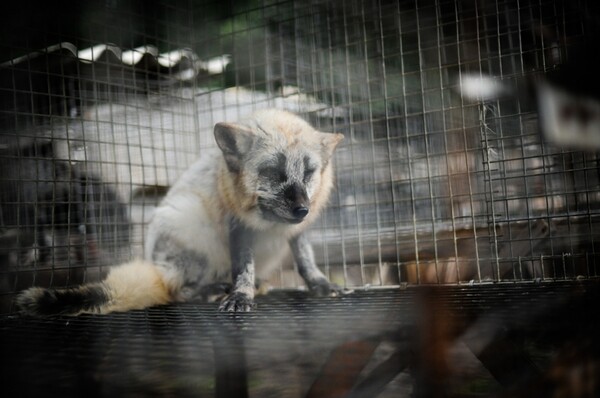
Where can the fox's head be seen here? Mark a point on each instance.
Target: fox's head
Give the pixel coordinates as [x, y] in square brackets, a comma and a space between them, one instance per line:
[278, 167]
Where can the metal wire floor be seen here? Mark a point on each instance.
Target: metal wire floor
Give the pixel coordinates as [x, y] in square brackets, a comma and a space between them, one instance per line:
[502, 340]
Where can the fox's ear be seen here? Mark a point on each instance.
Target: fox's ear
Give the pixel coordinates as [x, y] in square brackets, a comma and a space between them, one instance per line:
[235, 141]
[328, 143]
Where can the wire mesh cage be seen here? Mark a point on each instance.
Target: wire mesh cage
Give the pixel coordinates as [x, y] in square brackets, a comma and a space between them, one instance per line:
[444, 176]
[470, 160]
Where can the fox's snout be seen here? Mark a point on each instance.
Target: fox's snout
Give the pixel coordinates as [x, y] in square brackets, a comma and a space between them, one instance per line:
[297, 198]
[300, 212]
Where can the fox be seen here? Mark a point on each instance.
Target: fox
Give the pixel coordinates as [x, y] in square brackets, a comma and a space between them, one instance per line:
[229, 221]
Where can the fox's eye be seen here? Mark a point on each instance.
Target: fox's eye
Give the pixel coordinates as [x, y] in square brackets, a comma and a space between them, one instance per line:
[308, 173]
[273, 174]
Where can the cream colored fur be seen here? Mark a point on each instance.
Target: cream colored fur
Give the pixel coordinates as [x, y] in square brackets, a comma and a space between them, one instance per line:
[136, 285]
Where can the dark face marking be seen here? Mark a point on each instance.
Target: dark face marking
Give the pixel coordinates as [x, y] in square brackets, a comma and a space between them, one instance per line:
[283, 187]
[289, 205]
[274, 170]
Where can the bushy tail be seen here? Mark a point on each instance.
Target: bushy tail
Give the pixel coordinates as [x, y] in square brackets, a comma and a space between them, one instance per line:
[134, 285]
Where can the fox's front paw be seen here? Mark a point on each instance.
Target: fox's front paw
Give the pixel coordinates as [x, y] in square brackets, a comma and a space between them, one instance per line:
[237, 302]
[323, 288]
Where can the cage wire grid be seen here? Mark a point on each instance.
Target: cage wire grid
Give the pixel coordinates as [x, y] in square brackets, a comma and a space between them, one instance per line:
[438, 183]
[434, 185]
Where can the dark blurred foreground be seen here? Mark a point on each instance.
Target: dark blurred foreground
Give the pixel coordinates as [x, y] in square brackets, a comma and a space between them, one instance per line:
[506, 340]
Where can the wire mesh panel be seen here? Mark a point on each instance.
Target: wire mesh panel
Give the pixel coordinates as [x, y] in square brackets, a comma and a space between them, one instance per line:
[499, 340]
[444, 175]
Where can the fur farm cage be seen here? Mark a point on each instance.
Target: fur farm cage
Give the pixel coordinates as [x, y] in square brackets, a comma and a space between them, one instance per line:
[470, 159]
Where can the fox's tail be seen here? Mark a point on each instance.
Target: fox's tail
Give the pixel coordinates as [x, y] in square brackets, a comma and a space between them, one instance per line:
[134, 285]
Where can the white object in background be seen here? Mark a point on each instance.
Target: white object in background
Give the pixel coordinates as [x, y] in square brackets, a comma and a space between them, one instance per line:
[569, 119]
[480, 86]
[215, 65]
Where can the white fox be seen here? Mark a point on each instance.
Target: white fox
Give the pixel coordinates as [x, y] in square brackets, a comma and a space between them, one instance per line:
[233, 215]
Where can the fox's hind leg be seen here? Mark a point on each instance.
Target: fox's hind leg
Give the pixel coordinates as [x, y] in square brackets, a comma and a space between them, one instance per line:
[214, 292]
[197, 281]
